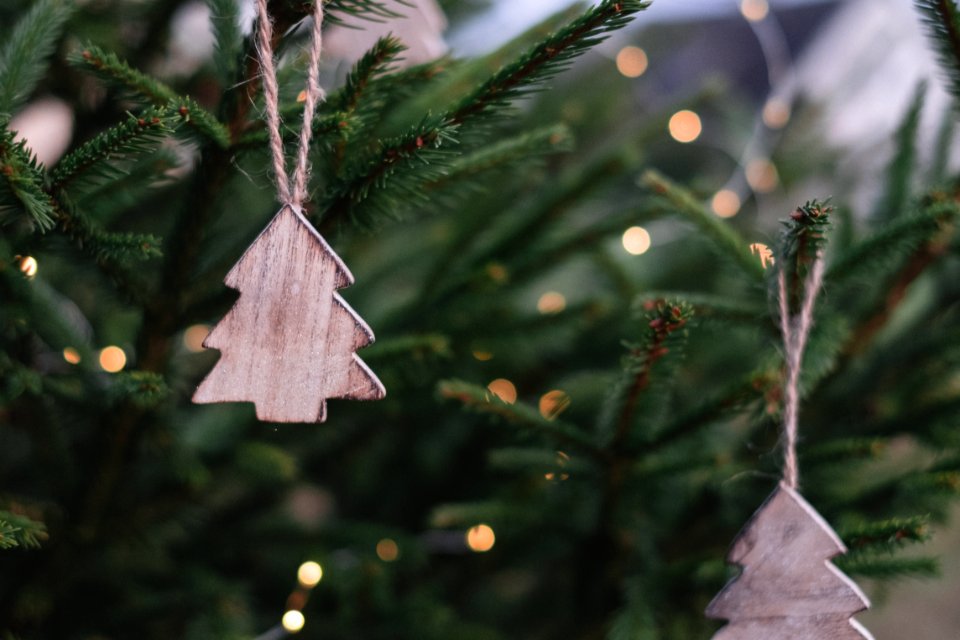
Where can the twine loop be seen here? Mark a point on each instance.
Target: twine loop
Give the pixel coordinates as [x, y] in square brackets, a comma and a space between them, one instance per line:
[289, 191]
[795, 330]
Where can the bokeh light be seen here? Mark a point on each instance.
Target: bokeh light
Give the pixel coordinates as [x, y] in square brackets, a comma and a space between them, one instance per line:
[388, 550]
[754, 10]
[762, 175]
[551, 302]
[725, 203]
[632, 61]
[292, 621]
[194, 336]
[112, 359]
[71, 355]
[503, 389]
[28, 266]
[553, 403]
[685, 126]
[309, 574]
[481, 538]
[636, 241]
[776, 113]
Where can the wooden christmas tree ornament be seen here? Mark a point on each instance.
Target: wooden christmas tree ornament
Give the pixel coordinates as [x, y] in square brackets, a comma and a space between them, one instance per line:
[288, 343]
[788, 588]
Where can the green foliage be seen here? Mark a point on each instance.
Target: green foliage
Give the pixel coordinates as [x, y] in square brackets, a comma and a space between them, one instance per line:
[23, 179]
[23, 59]
[485, 243]
[137, 135]
[20, 531]
[546, 59]
[943, 26]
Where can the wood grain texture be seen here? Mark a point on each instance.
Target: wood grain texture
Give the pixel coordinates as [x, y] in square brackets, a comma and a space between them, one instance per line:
[288, 343]
[788, 589]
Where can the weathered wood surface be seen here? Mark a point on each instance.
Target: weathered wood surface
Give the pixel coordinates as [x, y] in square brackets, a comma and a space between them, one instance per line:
[788, 589]
[288, 343]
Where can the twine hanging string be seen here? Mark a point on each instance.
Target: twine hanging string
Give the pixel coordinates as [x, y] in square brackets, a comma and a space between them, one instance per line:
[795, 330]
[292, 192]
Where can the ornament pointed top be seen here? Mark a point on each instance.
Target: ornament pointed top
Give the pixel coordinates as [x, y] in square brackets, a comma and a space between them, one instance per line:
[289, 222]
[776, 518]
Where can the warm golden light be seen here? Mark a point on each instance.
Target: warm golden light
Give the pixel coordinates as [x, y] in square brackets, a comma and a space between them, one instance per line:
[28, 266]
[636, 240]
[754, 10]
[309, 574]
[112, 359]
[764, 253]
[776, 113]
[553, 403]
[293, 621]
[302, 96]
[685, 126]
[71, 355]
[632, 62]
[194, 336]
[725, 203]
[762, 175]
[482, 356]
[387, 550]
[497, 272]
[551, 302]
[503, 389]
[481, 538]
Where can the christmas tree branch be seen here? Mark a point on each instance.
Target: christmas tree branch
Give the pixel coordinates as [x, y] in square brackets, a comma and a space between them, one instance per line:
[137, 135]
[663, 320]
[228, 39]
[897, 196]
[24, 177]
[23, 59]
[141, 86]
[369, 187]
[482, 400]
[943, 26]
[927, 254]
[20, 531]
[724, 237]
[373, 64]
[546, 59]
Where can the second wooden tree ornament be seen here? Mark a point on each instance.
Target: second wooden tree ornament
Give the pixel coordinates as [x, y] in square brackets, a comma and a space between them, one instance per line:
[788, 588]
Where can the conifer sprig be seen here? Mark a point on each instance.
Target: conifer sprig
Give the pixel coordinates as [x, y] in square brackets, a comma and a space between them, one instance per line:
[23, 59]
[395, 167]
[20, 531]
[943, 26]
[482, 400]
[23, 175]
[136, 135]
[727, 241]
[225, 20]
[546, 59]
[147, 89]
[373, 64]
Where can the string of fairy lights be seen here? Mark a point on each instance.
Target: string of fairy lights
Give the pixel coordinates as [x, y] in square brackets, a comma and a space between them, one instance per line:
[755, 175]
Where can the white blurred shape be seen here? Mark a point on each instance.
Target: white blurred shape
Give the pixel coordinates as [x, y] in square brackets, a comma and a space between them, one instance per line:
[420, 28]
[191, 39]
[862, 72]
[47, 126]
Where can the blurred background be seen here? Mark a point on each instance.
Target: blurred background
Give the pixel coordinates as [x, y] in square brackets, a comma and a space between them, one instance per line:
[413, 509]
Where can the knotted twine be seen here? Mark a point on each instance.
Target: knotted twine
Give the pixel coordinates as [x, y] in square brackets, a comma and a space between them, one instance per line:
[295, 195]
[795, 330]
